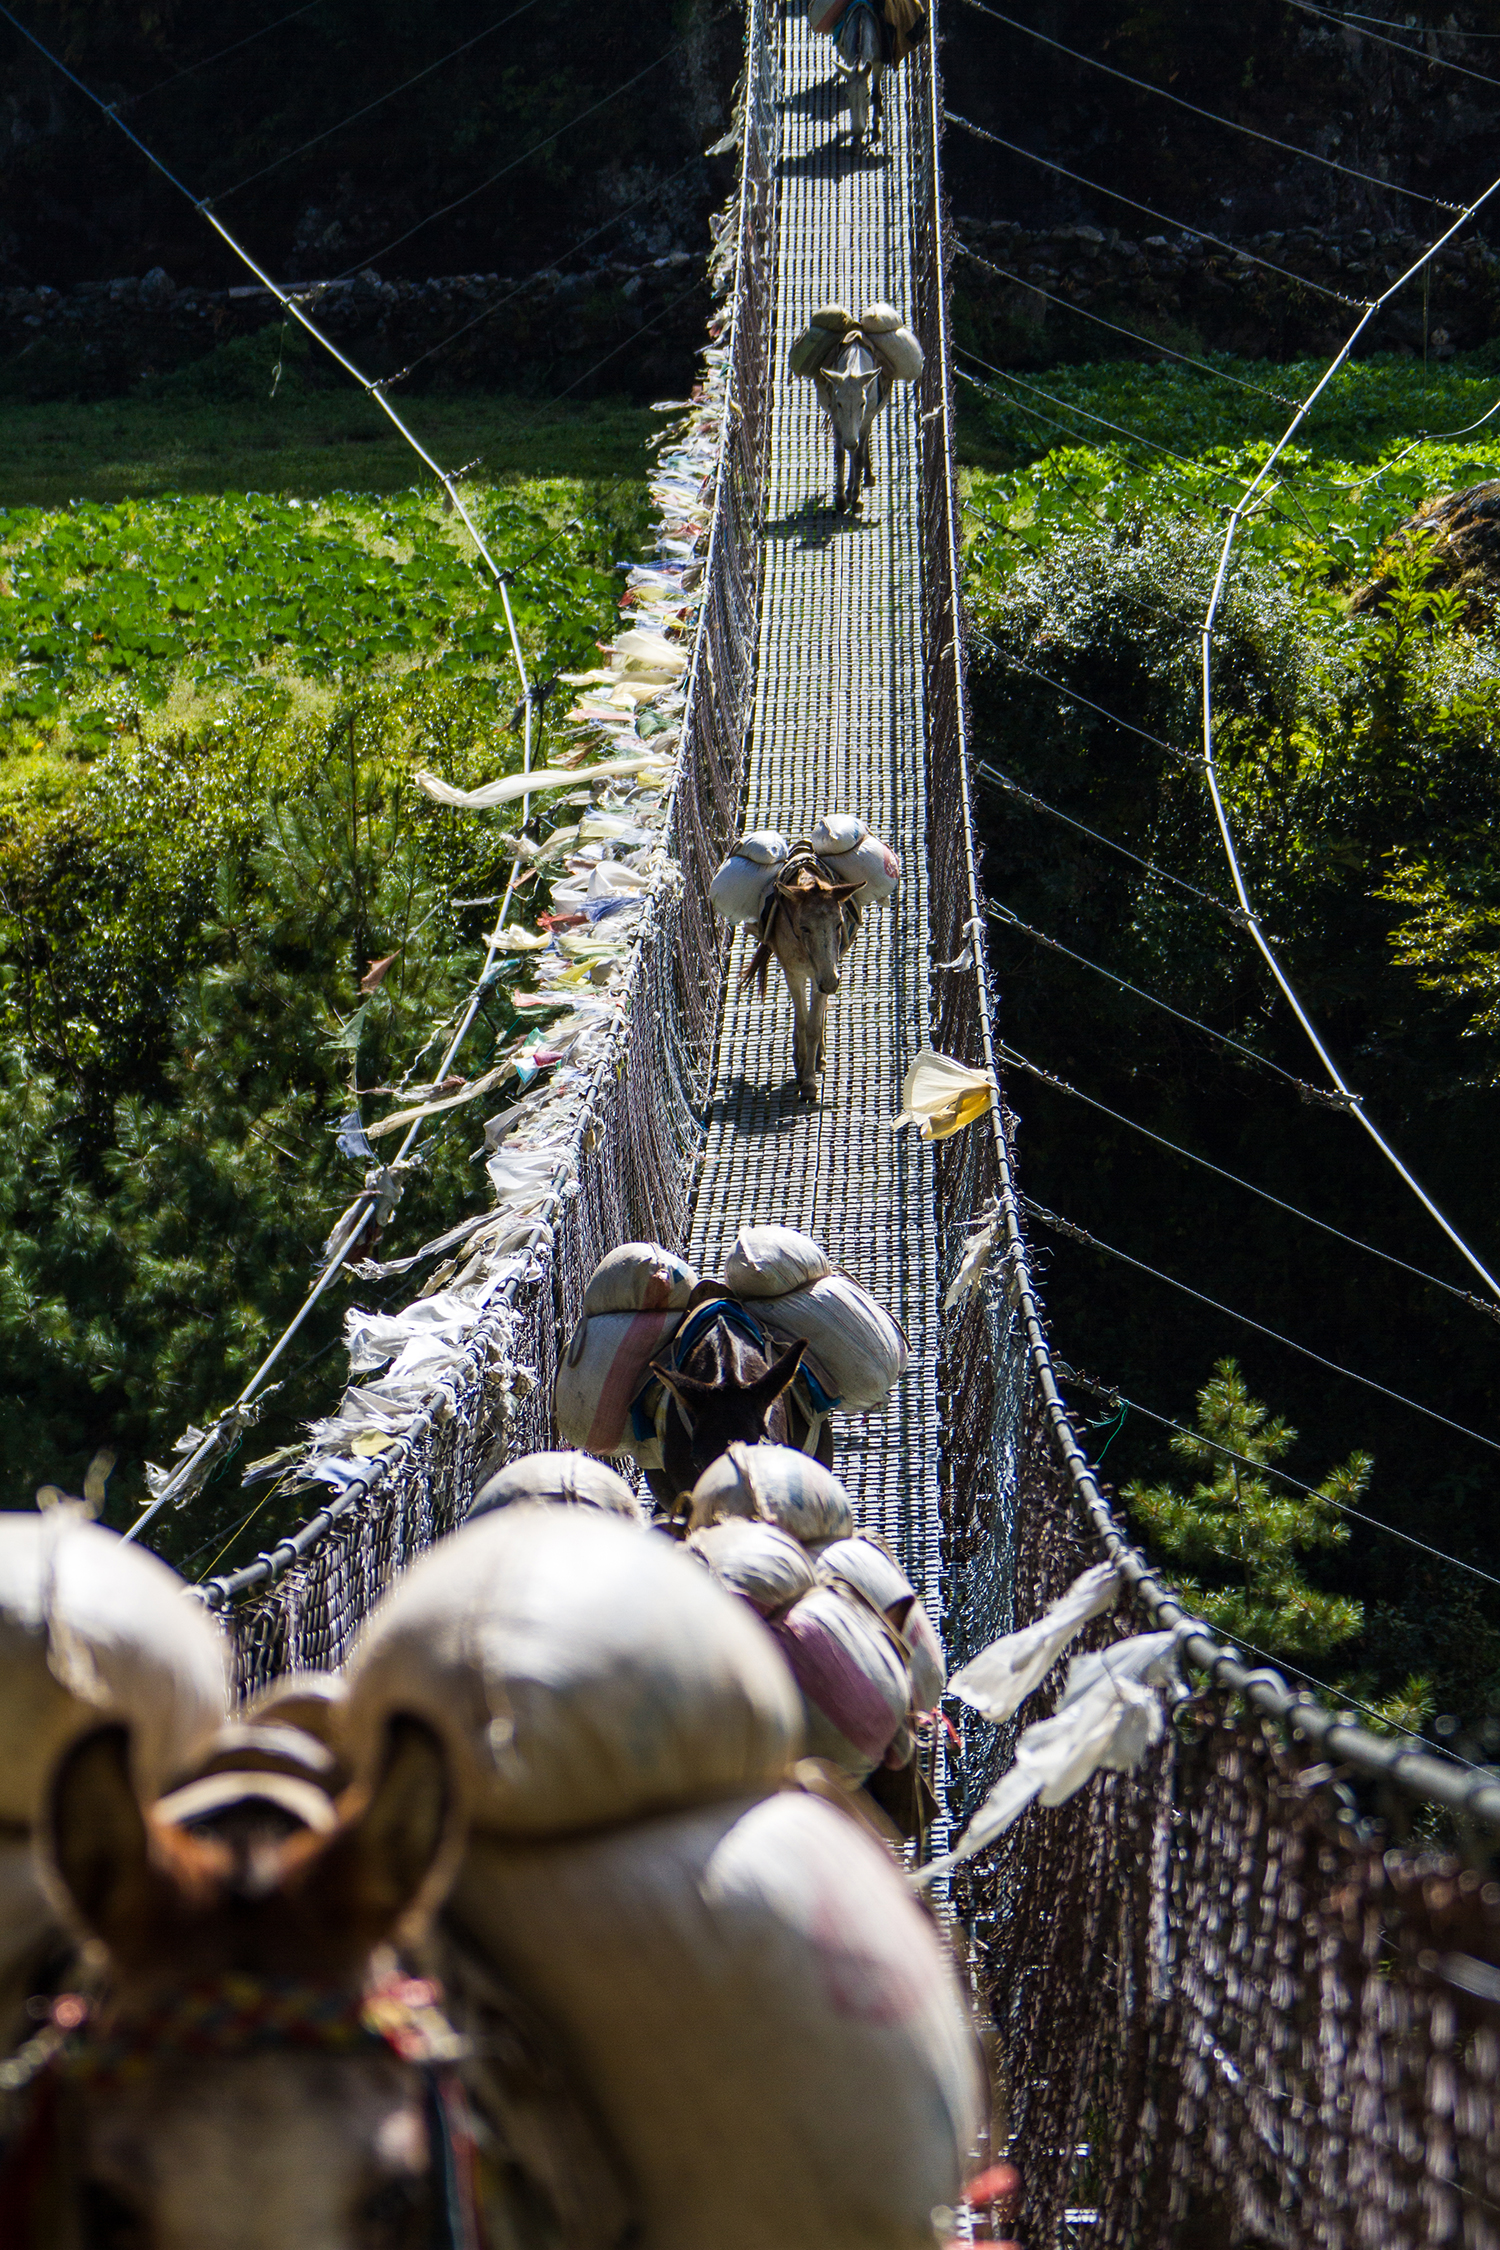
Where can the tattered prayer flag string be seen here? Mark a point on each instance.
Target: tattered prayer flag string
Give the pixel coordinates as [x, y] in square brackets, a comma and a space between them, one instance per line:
[514, 785]
[941, 1096]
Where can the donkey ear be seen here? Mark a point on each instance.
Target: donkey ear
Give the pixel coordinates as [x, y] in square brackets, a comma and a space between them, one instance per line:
[373, 1870]
[847, 890]
[778, 1377]
[685, 1389]
[101, 1847]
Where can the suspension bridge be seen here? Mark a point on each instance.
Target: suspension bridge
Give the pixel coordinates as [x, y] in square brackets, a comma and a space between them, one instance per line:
[1233, 2001]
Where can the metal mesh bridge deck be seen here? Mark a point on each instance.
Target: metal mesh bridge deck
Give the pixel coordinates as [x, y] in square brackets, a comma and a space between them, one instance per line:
[839, 726]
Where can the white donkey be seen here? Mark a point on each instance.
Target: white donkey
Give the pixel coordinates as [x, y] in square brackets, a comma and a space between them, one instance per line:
[859, 50]
[853, 387]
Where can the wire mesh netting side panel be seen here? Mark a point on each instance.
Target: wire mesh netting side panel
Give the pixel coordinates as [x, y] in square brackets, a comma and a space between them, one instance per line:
[640, 1139]
[1224, 2016]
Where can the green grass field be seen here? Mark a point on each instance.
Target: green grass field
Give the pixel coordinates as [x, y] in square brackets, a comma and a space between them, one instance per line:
[306, 446]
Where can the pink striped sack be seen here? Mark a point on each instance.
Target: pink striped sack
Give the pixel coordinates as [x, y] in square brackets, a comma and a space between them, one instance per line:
[606, 1363]
[856, 1690]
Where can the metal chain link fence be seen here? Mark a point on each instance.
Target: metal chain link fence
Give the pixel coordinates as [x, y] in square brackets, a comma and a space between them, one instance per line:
[299, 1606]
[1235, 2001]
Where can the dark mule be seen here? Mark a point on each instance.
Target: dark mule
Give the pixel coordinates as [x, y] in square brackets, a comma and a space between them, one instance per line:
[729, 1383]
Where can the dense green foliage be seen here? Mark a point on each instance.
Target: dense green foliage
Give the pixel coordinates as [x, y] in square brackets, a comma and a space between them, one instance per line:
[1360, 760]
[186, 915]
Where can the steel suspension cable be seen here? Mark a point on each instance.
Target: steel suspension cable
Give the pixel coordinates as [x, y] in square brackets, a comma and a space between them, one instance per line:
[1204, 366]
[1160, 874]
[1257, 934]
[1198, 234]
[1309, 1092]
[1066, 1227]
[525, 156]
[208, 60]
[379, 102]
[1019, 1061]
[1413, 54]
[1251, 132]
[1114, 1397]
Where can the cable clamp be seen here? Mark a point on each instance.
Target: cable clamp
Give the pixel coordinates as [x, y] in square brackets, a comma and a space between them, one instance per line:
[1328, 1097]
[1059, 1226]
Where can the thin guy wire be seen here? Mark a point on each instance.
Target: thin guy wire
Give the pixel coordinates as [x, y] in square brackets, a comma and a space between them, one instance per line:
[378, 103]
[1137, 437]
[1204, 366]
[571, 252]
[1198, 234]
[1048, 1078]
[1413, 54]
[1066, 1227]
[1162, 874]
[249, 39]
[1342, 1696]
[1013, 921]
[1144, 85]
[524, 157]
[1136, 601]
[209, 1443]
[1261, 942]
[1188, 757]
[1111, 1394]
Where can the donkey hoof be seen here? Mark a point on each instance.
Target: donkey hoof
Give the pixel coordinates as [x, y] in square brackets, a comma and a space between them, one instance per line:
[808, 1092]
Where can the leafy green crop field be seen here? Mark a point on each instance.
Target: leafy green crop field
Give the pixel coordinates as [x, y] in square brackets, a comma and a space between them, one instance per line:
[221, 660]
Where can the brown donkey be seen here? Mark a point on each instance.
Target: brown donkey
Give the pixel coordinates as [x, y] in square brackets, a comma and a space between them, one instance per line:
[809, 921]
[728, 1383]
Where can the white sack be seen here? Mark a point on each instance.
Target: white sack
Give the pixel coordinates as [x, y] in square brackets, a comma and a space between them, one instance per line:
[768, 1261]
[767, 1568]
[856, 1688]
[776, 1484]
[873, 864]
[571, 1480]
[606, 1363]
[738, 890]
[581, 1674]
[864, 1564]
[767, 847]
[639, 1277]
[998, 1680]
[836, 833]
[93, 1629]
[856, 1345]
[767, 2024]
[903, 356]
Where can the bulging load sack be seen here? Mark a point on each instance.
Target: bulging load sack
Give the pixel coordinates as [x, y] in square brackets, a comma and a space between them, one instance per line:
[856, 1688]
[810, 349]
[861, 857]
[580, 1673]
[738, 890]
[766, 1567]
[639, 1277]
[768, 1261]
[94, 1629]
[573, 1480]
[605, 1364]
[767, 1966]
[855, 1344]
[892, 341]
[774, 1484]
[863, 1564]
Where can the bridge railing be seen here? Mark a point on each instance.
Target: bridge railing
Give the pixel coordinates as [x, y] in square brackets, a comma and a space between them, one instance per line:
[1237, 2000]
[629, 1171]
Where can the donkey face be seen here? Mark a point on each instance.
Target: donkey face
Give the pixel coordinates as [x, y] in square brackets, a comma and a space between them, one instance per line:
[852, 391]
[813, 926]
[251, 2147]
[733, 1398]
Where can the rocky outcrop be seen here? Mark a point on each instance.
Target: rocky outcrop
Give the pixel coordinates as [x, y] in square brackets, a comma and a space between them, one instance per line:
[483, 330]
[1462, 530]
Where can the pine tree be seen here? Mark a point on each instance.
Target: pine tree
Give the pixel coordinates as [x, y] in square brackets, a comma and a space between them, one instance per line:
[1240, 1533]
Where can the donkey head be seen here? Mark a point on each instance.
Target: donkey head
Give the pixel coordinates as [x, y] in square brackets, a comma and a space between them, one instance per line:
[852, 391]
[730, 1399]
[812, 910]
[231, 2095]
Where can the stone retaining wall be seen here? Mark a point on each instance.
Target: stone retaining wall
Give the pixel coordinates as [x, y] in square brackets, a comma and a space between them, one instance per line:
[102, 338]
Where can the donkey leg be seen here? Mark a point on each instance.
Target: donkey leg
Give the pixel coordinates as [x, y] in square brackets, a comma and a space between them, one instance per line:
[817, 1039]
[805, 1040]
[838, 476]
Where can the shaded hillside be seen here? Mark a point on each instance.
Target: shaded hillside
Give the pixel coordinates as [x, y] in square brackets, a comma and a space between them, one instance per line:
[486, 163]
